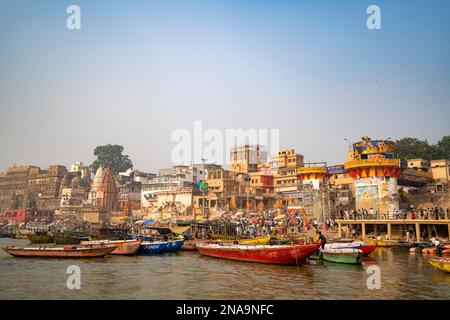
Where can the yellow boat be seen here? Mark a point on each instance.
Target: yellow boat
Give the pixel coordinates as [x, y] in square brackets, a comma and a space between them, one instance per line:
[442, 264]
[252, 241]
[387, 243]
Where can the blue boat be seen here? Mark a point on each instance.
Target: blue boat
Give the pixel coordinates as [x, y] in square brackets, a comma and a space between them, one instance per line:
[154, 247]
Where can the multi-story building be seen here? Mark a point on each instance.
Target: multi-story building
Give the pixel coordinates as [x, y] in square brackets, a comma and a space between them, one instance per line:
[245, 159]
[29, 187]
[286, 182]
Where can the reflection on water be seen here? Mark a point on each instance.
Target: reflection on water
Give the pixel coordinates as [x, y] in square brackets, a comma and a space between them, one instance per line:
[188, 275]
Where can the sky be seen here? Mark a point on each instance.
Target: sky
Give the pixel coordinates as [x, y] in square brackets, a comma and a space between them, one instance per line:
[138, 70]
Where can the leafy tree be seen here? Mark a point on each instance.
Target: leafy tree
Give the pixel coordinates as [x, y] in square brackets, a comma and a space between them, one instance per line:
[411, 148]
[112, 156]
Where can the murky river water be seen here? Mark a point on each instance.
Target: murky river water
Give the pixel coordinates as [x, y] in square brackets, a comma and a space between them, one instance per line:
[188, 275]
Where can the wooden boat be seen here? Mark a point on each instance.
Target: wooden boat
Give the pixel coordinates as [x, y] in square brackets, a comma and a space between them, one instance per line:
[65, 252]
[387, 243]
[441, 264]
[278, 254]
[346, 255]
[431, 250]
[40, 238]
[124, 247]
[367, 247]
[405, 245]
[189, 245]
[154, 247]
[69, 238]
[250, 241]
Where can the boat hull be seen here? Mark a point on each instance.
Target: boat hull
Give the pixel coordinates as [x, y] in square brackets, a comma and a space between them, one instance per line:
[283, 254]
[124, 247]
[342, 256]
[69, 239]
[189, 245]
[40, 238]
[70, 252]
[156, 247]
[387, 243]
[442, 265]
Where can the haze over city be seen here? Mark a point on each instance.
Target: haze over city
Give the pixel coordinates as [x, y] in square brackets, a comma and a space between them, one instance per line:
[137, 71]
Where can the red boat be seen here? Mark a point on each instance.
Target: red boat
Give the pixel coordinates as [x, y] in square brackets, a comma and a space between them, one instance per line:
[368, 248]
[66, 252]
[278, 254]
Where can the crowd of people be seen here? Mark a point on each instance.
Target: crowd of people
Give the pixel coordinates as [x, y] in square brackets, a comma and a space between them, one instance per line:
[411, 213]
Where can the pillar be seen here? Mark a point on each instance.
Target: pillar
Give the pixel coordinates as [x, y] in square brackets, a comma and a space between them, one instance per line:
[389, 228]
[375, 230]
[363, 229]
[418, 232]
[448, 235]
[340, 229]
[429, 231]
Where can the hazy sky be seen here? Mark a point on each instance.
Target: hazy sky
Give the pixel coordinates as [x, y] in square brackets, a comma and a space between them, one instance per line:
[137, 70]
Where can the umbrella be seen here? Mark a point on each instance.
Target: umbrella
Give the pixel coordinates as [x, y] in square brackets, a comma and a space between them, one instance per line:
[279, 217]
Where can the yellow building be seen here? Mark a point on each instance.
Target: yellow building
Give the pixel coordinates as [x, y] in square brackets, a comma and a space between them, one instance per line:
[440, 170]
[245, 159]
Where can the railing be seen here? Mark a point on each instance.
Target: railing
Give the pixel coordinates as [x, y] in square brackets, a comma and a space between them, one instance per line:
[395, 215]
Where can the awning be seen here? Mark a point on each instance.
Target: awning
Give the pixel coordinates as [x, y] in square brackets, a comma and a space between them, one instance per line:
[180, 230]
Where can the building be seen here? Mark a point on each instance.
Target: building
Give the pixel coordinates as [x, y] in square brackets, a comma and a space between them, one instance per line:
[262, 190]
[29, 187]
[104, 191]
[315, 190]
[375, 170]
[286, 181]
[440, 170]
[245, 159]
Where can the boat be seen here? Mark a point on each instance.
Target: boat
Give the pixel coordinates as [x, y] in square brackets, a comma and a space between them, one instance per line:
[367, 247]
[65, 252]
[152, 247]
[387, 243]
[405, 245]
[69, 238]
[40, 238]
[250, 241]
[430, 250]
[124, 247]
[344, 255]
[441, 264]
[189, 245]
[277, 254]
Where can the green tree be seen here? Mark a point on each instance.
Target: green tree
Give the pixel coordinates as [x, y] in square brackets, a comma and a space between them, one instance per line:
[112, 156]
[411, 148]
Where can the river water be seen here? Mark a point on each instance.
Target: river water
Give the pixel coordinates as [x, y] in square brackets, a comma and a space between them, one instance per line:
[188, 275]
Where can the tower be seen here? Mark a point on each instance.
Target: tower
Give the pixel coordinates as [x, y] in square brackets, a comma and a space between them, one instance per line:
[375, 169]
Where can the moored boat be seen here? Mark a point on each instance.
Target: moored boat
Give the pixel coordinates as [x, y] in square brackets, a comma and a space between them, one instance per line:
[154, 247]
[250, 241]
[345, 255]
[124, 247]
[387, 243]
[367, 247]
[40, 238]
[189, 245]
[431, 250]
[65, 252]
[69, 238]
[277, 254]
[441, 264]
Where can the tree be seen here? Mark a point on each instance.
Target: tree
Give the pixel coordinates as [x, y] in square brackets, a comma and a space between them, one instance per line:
[412, 148]
[111, 155]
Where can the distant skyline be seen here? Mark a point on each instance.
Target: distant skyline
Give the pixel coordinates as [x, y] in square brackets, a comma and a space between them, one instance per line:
[138, 70]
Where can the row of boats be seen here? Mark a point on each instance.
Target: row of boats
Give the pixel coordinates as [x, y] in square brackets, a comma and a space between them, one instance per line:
[267, 249]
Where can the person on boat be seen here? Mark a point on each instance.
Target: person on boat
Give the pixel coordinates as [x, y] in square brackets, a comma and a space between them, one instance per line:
[322, 239]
